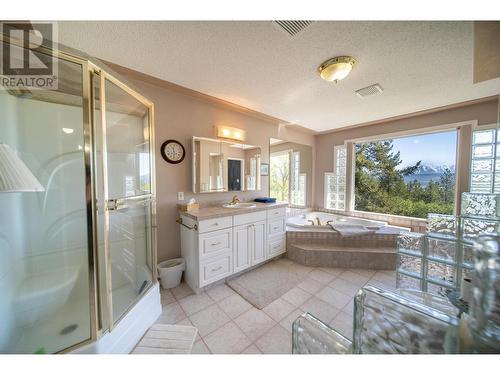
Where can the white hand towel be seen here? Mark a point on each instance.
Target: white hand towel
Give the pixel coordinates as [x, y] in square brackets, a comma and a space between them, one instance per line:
[351, 230]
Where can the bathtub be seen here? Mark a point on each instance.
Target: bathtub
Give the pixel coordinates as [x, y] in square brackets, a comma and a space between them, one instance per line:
[305, 221]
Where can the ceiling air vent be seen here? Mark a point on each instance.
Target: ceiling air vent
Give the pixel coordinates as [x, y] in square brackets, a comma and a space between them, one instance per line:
[292, 28]
[369, 90]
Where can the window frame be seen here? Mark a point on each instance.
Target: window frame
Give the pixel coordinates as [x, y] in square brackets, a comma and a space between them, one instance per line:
[462, 164]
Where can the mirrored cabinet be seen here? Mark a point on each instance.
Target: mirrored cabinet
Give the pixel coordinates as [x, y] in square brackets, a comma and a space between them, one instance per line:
[221, 166]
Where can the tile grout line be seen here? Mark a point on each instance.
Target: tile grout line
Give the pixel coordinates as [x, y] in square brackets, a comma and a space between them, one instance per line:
[277, 323]
[187, 317]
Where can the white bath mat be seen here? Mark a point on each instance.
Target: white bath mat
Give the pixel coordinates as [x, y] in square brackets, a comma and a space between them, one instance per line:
[167, 339]
[263, 285]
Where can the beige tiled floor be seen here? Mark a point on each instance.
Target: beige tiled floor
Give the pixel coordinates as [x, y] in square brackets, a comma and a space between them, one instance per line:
[228, 324]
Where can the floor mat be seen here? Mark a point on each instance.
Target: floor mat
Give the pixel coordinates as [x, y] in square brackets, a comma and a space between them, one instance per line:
[167, 339]
[264, 284]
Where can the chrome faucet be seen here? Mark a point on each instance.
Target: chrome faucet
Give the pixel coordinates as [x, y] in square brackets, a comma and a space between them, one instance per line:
[235, 200]
[317, 221]
[311, 221]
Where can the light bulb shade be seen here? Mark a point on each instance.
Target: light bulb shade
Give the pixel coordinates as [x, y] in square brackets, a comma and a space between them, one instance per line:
[15, 176]
[231, 133]
[336, 69]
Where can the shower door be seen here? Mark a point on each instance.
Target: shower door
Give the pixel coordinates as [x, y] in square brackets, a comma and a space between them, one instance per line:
[125, 196]
[46, 264]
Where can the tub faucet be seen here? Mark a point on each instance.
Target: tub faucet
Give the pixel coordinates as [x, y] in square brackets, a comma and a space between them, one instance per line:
[317, 221]
[235, 200]
[311, 221]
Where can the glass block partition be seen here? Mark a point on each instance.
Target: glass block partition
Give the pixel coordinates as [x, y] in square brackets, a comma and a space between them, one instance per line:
[438, 260]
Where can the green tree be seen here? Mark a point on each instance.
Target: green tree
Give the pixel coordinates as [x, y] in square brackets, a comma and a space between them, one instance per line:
[447, 186]
[380, 184]
[279, 177]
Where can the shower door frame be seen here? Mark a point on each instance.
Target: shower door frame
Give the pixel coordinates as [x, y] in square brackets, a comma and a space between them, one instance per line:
[88, 69]
[103, 75]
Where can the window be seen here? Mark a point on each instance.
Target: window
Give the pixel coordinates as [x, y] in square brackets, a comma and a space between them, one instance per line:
[485, 168]
[279, 167]
[408, 176]
[252, 177]
[298, 196]
[144, 172]
[287, 183]
[335, 183]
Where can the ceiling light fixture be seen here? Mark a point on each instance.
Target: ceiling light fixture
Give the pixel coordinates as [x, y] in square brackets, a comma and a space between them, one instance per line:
[68, 130]
[337, 68]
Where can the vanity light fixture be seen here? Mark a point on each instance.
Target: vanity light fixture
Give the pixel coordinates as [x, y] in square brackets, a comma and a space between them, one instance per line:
[231, 133]
[337, 68]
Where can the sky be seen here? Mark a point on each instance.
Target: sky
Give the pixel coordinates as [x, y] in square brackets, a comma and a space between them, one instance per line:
[433, 149]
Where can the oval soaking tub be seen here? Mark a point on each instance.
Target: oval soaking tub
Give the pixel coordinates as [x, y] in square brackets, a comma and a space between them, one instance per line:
[310, 221]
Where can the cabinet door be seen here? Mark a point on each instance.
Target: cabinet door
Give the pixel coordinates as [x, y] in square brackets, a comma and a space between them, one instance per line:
[258, 242]
[242, 247]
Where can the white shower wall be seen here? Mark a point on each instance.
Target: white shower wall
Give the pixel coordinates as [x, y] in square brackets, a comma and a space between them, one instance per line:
[47, 231]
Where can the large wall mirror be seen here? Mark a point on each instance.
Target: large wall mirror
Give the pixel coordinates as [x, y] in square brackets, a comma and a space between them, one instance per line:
[220, 166]
[290, 172]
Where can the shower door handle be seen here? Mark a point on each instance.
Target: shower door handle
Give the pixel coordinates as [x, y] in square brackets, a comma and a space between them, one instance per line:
[122, 203]
[112, 205]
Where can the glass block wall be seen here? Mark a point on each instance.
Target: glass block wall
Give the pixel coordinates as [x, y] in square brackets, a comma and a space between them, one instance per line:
[485, 169]
[438, 260]
[335, 183]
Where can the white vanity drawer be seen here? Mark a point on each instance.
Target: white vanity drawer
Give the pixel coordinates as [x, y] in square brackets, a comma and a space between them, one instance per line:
[215, 269]
[215, 224]
[276, 226]
[216, 243]
[276, 212]
[277, 246]
[249, 218]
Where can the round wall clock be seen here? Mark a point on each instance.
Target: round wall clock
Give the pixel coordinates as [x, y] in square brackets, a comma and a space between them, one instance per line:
[172, 151]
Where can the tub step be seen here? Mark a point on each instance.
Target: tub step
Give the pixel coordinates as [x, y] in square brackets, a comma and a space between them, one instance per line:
[325, 255]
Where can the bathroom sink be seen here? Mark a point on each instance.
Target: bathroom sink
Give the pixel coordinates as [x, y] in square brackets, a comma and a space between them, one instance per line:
[239, 205]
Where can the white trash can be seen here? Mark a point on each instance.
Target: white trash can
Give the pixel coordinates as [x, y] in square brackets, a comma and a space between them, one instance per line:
[170, 272]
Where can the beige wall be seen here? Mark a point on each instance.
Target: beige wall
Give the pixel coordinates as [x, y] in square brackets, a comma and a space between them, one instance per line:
[180, 115]
[486, 50]
[484, 112]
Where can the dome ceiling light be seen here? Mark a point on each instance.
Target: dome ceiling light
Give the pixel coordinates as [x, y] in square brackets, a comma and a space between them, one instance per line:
[337, 68]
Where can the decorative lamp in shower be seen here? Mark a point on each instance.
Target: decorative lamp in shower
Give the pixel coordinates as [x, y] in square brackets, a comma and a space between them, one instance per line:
[15, 176]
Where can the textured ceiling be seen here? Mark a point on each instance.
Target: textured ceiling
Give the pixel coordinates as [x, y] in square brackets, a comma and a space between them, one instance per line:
[420, 65]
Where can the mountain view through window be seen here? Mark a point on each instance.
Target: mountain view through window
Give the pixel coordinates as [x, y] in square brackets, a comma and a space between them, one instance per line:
[409, 176]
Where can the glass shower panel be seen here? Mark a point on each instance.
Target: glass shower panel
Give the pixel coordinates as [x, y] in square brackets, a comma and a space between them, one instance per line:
[129, 197]
[44, 255]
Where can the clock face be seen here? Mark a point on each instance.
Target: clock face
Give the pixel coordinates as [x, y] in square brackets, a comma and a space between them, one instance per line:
[172, 151]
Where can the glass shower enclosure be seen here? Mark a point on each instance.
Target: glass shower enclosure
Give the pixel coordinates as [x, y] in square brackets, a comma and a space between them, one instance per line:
[78, 252]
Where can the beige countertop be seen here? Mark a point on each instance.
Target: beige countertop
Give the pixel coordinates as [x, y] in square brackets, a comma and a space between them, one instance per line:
[212, 212]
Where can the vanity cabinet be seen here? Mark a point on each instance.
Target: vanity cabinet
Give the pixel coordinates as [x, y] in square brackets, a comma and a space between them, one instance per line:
[249, 245]
[224, 246]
